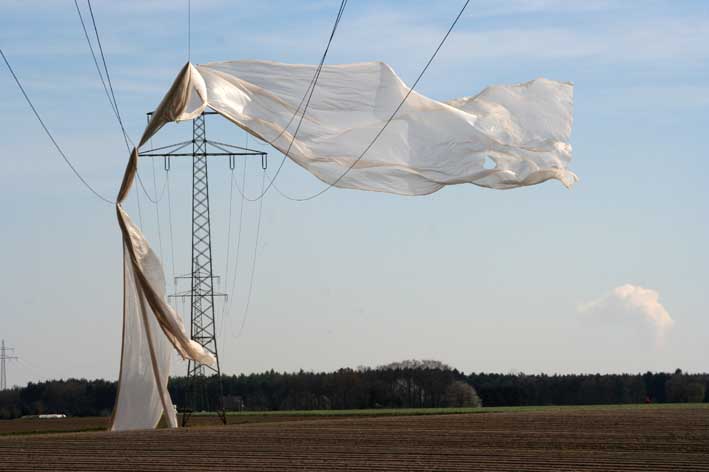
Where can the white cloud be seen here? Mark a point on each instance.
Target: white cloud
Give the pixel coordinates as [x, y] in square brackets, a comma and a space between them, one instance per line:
[633, 302]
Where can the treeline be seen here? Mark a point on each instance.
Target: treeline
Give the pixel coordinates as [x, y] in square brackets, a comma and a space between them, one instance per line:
[521, 389]
[409, 384]
[74, 397]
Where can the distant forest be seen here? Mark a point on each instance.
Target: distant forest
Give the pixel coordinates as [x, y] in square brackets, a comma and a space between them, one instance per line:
[408, 384]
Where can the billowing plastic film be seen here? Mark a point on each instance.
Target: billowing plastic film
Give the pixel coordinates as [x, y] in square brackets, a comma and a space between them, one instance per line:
[522, 129]
[507, 136]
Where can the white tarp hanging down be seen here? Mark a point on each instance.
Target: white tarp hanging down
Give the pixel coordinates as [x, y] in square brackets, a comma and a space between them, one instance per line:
[505, 137]
[150, 329]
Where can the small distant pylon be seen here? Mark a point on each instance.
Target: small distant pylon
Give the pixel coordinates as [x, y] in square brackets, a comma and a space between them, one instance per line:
[4, 356]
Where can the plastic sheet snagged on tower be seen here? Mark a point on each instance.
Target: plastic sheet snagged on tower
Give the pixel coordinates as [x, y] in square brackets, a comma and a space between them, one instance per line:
[505, 137]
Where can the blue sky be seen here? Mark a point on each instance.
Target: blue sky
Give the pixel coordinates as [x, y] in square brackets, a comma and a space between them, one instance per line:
[483, 280]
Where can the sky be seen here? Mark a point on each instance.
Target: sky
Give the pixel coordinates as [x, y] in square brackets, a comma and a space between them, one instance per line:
[607, 277]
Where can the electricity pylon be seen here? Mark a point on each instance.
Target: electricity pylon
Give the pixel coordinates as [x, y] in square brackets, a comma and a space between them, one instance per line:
[4, 356]
[201, 293]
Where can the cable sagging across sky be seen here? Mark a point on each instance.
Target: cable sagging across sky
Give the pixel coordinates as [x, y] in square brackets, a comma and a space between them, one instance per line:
[389, 120]
[49, 134]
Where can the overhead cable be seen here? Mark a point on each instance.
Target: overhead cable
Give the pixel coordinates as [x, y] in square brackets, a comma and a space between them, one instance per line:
[140, 212]
[227, 306]
[108, 75]
[98, 69]
[189, 30]
[169, 220]
[245, 316]
[114, 106]
[157, 208]
[110, 94]
[391, 117]
[49, 134]
[309, 95]
[228, 232]
[315, 76]
[240, 189]
[228, 242]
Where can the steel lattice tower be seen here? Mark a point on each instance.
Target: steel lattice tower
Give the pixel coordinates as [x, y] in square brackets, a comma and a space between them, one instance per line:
[4, 356]
[201, 294]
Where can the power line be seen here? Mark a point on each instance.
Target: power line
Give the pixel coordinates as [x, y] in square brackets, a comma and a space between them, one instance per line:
[140, 211]
[238, 243]
[108, 75]
[152, 200]
[309, 94]
[49, 134]
[98, 69]
[315, 76]
[189, 30]
[391, 117]
[110, 94]
[169, 219]
[245, 316]
[157, 208]
[241, 189]
[228, 242]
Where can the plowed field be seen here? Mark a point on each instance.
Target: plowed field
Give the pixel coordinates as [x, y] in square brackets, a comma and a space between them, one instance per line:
[642, 439]
[23, 426]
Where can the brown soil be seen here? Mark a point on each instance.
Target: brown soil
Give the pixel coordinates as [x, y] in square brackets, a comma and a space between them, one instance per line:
[50, 425]
[675, 439]
[23, 426]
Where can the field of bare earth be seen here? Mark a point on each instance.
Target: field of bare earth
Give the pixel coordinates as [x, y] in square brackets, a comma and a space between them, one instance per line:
[30, 426]
[637, 438]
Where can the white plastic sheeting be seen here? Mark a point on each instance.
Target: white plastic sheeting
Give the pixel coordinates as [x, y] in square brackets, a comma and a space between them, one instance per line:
[524, 129]
[505, 137]
[151, 328]
[145, 362]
